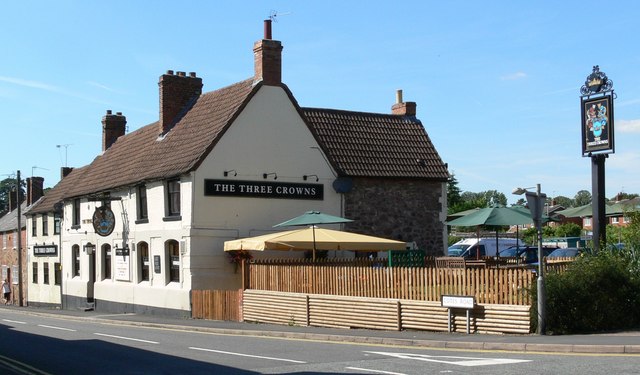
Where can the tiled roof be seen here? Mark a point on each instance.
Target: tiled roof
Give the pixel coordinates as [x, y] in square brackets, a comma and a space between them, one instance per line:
[142, 156]
[9, 222]
[58, 193]
[357, 144]
[376, 145]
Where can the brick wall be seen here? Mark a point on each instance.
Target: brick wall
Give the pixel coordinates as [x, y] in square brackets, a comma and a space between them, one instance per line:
[405, 210]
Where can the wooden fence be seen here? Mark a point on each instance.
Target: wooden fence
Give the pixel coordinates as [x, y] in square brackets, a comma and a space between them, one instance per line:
[379, 313]
[487, 285]
[217, 304]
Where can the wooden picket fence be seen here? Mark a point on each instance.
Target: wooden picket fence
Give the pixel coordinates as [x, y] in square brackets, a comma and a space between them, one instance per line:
[488, 285]
[217, 304]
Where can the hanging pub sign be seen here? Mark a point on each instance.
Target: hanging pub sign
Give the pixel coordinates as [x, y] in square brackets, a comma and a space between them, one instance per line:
[263, 189]
[597, 114]
[103, 220]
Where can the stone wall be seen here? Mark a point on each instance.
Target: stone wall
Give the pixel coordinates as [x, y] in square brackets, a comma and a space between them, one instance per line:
[402, 209]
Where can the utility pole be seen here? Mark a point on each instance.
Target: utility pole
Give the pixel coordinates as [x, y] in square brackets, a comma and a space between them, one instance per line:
[19, 239]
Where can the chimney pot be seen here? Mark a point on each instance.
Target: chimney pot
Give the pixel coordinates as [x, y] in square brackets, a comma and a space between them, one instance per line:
[176, 93]
[398, 96]
[112, 128]
[170, 72]
[267, 29]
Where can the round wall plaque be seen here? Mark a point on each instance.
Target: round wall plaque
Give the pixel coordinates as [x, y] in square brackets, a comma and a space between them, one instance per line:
[103, 221]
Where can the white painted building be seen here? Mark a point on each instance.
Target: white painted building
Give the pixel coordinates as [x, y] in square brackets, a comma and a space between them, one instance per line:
[145, 222]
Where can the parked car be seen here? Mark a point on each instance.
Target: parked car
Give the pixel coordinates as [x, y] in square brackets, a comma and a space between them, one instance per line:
[526, 254]
[468, 248]
[568, 252]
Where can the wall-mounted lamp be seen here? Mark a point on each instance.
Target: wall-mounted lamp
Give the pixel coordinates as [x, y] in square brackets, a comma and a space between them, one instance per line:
[265, 175]
[306, 176]
[226, 173]
[89, 248]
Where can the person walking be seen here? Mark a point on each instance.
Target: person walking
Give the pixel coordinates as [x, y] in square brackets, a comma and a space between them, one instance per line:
[6, 291]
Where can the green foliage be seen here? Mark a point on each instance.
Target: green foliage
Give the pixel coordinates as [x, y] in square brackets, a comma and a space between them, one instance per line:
[599, 292]
[453, 239]
[563, 201]
[453, 193]
[529, 236]
[568, 230]
[6, 186]
[582, 197]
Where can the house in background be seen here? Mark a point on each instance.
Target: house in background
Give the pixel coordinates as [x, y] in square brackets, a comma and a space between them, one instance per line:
[145, 222]
[10, 253]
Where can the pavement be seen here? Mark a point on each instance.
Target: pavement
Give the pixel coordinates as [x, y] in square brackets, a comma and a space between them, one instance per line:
[603, 343]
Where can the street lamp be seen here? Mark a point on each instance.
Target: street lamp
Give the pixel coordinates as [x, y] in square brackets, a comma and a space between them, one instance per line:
[536, 200]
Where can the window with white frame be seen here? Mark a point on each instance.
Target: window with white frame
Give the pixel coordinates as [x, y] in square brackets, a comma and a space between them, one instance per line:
[106, 261]
[172, 256]
[143, 261]
[45, 272]
[75, 253]
[45, 224]
[173, 198]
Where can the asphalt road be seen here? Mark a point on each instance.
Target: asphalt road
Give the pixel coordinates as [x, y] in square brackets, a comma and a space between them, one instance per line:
[32, 344]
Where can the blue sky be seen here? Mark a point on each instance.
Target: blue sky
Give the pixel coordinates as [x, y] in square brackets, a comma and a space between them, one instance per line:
[496, 82]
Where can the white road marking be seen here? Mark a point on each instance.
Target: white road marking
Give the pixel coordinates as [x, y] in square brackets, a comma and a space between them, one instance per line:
[59, 328]
[246, 355]
[126, 338]
[13, 321]
[376, 371]
[453, 360]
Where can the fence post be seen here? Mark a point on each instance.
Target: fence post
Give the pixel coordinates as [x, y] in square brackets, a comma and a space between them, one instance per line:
[308, 315]
[399, 311]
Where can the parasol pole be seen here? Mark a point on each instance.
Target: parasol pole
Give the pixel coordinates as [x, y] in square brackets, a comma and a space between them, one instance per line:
[313, 230]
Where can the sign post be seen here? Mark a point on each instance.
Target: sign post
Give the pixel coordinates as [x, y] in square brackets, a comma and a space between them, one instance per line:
[596, 105]
[459, 302]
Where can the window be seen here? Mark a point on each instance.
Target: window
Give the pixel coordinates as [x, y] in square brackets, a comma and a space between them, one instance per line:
[34, 278]
[143, 261]
[45, 224]
[76, 213]
[106, 261]
[587, 221]
[56, 223]
[172, 255]
[173, 198]
[45, 272]
[142, 203]
[34, 226]
[75, 251]
[57, 274]
[614, 220]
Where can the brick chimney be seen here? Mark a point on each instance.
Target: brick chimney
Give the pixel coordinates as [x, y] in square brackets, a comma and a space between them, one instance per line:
[64, 171]
[35, 189]
[13, 200]
[267, 57]
[403, 108]
[177, 94]
[113, 126]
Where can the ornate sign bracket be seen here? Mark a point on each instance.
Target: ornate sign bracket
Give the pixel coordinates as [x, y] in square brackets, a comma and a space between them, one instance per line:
[596, 83]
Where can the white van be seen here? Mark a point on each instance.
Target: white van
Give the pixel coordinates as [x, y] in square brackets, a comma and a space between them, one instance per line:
[468, 248]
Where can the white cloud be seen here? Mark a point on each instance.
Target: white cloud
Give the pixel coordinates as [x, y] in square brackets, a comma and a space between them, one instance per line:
[514, 76]
[31, 84]
[628, 126]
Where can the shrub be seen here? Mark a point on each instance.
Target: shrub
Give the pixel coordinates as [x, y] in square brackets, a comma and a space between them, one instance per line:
[597, 293]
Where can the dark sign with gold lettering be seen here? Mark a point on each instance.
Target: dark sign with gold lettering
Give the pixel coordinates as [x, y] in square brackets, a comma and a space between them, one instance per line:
[45, 250]
[263, 189]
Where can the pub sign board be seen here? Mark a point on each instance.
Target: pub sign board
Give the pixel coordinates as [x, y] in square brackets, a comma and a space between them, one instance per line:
[597, 125]
[263, 189]
[45, 250]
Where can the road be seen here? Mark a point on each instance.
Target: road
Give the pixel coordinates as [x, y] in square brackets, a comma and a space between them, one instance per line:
[32, 344]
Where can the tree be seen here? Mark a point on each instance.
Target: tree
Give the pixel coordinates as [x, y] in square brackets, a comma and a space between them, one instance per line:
[583, 197]
[494, 198]
[6, 186]
[563, 201]
[568, 230]
[453, 192]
